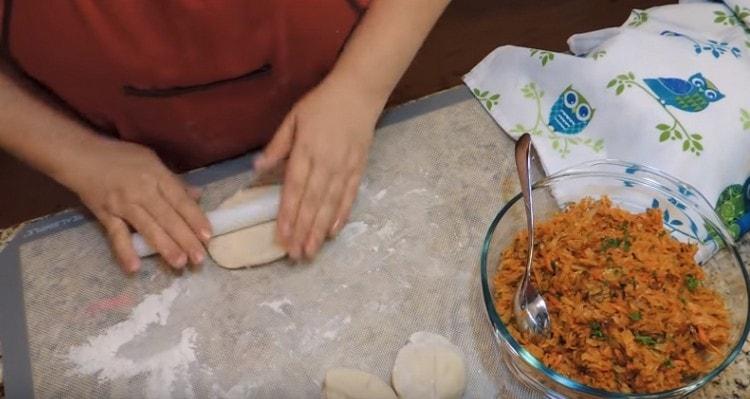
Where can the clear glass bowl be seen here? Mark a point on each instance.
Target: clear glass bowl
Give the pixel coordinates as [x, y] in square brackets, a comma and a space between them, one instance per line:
[687, 215]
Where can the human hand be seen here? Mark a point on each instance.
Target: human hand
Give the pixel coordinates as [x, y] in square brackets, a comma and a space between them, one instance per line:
[326, 137]
[125, 184]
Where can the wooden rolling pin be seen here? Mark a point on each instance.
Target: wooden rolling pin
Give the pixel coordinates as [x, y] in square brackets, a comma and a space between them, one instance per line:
[260, 210]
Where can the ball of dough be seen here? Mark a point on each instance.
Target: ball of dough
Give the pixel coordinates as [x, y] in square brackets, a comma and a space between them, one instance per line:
[342, 383]
[252, 246]
[429, 367]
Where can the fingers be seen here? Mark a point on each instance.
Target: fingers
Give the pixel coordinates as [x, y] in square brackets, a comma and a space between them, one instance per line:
[176, 227]
[194, 192]
[279, 147]
[315, 191]
[324, 218]
[188, 210]
[347, 201]
[120, 240]
[155, 236]
[169, 220]
[297, 173]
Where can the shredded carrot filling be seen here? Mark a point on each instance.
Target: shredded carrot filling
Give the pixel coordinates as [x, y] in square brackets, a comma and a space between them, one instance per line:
[630, 309]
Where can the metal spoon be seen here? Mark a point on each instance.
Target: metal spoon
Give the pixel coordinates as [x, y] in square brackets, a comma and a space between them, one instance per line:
[528, 305]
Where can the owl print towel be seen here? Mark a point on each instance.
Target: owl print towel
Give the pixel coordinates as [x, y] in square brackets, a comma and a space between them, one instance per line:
[670, 88]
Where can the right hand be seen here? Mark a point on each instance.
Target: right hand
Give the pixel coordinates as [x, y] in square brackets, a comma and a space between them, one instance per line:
[126, 184]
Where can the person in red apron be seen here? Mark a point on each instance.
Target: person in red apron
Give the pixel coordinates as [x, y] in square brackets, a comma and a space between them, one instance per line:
[110, 97]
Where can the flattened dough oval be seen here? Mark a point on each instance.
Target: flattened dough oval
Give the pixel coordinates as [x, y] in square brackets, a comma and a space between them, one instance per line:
[343, 383]
[252, 246]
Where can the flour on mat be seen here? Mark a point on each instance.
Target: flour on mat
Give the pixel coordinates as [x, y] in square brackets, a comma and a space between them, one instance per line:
[315, 337]
[415, 191]
[99, 355]
[352, 230]
[387, 231]
[379, 196]
[277, 306]
[239, 391]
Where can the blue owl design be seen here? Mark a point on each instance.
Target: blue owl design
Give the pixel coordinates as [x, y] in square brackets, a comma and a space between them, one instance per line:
[692, 95]
[571, 113]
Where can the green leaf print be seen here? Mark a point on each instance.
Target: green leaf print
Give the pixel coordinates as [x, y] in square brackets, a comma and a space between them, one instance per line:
[664, 136]
[544, 56]
[518, 129]
[638, 18]
[529, 91]
[733, 17]
[745, 119]
[741, 12]
[667, 132]
[621, 82]
[560, 143]
[598, 54]
[486, 98]
[724, 18]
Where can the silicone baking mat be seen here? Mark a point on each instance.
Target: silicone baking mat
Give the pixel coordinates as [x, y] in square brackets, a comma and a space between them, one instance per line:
[408, 260]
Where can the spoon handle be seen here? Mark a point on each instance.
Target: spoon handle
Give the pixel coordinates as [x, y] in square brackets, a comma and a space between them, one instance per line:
[523, 165]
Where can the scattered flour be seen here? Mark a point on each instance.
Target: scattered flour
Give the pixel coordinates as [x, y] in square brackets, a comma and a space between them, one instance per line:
[387, 231]
[352, 230]
[277, 306]
[239, 391]
[416, 191]
[99, 356]
[315, 337]
[380, 195]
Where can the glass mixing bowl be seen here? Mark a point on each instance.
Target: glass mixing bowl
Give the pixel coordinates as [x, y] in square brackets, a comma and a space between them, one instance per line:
[687, 215]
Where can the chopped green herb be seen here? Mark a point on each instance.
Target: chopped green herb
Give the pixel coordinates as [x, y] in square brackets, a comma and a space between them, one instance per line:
[626, 245]
[596, 330]
[635, 316]
[683, 300]
[645, 340]
[691, 282]
[668, 363]
[609, 243]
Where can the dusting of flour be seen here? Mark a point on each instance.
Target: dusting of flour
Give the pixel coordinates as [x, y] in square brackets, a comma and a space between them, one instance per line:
[276, 306]
[99, 355]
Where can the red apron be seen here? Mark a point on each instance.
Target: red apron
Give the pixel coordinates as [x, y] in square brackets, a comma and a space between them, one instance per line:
[196, 80]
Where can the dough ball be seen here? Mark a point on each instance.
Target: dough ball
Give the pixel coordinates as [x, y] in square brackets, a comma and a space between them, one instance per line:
[429, 367]
[252, 246]
[342, 383]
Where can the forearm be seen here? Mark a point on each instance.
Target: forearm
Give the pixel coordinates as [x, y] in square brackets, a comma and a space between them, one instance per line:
[385, 42]
[36, 132]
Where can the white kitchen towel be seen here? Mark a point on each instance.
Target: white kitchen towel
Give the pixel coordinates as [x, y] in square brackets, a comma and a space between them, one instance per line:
[670, 88]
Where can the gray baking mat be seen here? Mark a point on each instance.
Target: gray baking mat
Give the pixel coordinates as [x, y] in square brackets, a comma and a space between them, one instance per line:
[407, 261]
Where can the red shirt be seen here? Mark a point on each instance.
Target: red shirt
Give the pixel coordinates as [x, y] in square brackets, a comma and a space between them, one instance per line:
[196, 80]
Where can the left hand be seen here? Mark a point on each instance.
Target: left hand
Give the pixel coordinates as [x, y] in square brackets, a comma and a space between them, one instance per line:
[326, 137]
